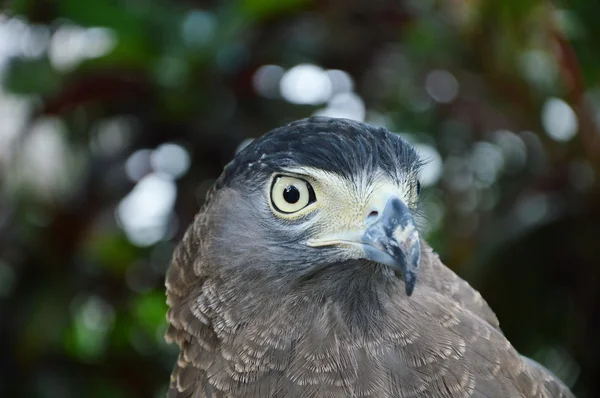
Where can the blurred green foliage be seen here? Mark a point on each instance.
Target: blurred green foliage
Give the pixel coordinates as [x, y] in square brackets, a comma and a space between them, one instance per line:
[116, 116]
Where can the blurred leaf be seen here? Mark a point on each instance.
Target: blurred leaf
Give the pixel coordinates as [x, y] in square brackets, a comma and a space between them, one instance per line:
[428, 39]
[84, 343]
[87, 337]
[102, 389]
[31, 76]
[114, 252]
[130, 51]
[150, 309]
[261, 9]
[107, 13]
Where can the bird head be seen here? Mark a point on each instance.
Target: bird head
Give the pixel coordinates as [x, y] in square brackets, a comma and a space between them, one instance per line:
[315, 194]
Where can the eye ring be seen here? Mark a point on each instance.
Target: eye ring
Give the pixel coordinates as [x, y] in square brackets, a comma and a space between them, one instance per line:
[291, 194]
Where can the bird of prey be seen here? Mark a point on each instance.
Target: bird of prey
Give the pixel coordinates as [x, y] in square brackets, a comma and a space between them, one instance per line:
[304, 275]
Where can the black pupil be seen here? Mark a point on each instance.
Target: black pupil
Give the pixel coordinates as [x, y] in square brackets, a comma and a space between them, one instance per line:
[291, 194]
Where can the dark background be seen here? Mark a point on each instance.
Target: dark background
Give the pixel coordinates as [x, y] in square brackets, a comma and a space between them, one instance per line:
[116, 117]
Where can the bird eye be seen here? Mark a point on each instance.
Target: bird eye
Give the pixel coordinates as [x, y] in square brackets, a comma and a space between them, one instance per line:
[418, 188]
[291, 194]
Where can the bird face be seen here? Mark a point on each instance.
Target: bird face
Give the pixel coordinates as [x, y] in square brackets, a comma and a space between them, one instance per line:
[317, 194]
[369, 220]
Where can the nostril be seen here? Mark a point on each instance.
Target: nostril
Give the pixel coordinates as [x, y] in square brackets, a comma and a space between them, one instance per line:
[372, 215]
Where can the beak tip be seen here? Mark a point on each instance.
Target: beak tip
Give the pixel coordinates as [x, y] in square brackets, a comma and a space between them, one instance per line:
[411, 264]
[410, 281]
[410, 274]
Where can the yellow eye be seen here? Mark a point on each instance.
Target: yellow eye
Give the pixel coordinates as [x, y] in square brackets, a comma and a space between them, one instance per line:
[291, 194]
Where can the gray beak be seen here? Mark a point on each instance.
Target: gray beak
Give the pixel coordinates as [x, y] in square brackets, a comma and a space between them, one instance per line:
[392, 239]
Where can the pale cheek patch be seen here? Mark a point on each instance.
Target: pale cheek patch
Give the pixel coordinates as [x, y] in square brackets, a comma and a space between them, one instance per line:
[344, 205]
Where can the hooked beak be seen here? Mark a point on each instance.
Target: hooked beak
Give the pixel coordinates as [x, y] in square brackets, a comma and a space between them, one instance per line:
[391, 238]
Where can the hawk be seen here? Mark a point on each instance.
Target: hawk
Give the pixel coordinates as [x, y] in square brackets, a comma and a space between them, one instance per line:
[304, 275]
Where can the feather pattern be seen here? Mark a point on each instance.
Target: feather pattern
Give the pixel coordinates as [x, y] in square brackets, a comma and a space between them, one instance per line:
[444, 341]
